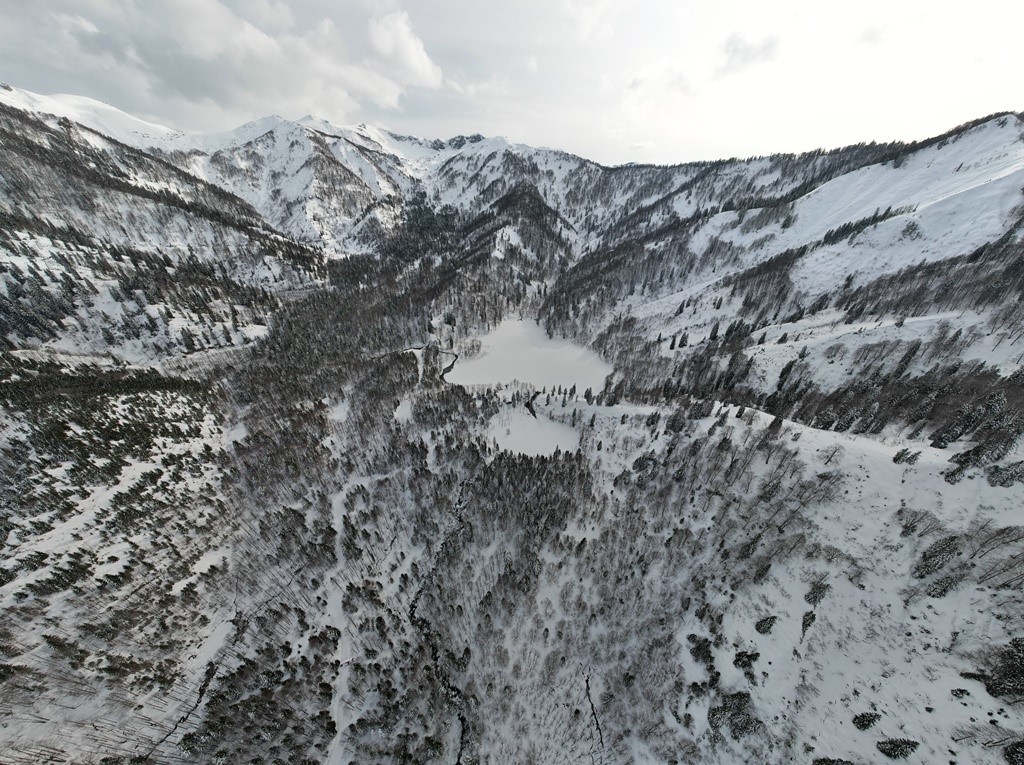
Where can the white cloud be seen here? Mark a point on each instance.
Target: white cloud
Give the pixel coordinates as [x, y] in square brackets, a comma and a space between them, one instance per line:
[269, 14]
[211, 64]
[589, 18]
[75, 24]
[484, 88]
[643, 146]
[742, 54]
[401, 52]
[872, 36]
[650, 80]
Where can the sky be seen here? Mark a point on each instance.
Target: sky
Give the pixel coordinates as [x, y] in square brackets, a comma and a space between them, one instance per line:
[614, 81]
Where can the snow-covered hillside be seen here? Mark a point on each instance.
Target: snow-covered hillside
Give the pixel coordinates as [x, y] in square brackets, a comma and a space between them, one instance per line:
[88, 112]
[327, 444]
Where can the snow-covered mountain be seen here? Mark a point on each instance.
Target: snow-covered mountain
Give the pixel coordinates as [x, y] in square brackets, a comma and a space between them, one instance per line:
[291, 475]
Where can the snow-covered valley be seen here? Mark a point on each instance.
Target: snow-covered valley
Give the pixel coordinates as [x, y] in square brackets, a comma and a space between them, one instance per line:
[326, 444]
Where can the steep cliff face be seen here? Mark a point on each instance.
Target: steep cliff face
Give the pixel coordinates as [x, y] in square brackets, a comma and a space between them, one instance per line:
[772, 514]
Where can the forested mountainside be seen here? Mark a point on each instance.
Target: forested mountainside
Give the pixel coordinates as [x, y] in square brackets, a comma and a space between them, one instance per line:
[250, 515]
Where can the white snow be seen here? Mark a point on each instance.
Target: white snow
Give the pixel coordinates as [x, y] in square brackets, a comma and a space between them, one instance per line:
[208, 560]
[876, 640]
[520, 351]
[515, 430]
[94, 114]
[403, 412]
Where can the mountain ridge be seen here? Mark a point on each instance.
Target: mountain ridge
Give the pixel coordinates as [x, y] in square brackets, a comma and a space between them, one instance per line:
[247, 516]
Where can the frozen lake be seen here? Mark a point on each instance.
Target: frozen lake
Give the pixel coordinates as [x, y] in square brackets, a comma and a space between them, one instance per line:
[520, 351]
[519, 432]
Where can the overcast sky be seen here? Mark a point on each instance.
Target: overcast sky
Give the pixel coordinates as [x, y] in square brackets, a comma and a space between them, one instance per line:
[643, 81]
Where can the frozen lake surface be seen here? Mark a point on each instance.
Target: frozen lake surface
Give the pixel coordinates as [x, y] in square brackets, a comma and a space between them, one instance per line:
[516, 430]
[520, 351]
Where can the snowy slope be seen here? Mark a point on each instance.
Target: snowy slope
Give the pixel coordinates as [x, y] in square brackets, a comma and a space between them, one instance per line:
[96, 115]
[326, 444]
